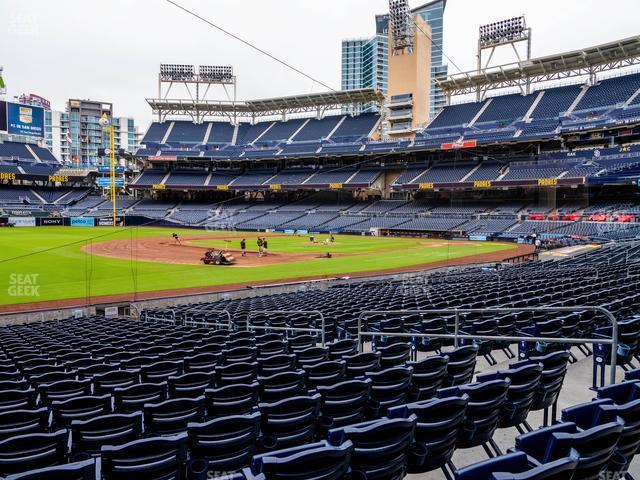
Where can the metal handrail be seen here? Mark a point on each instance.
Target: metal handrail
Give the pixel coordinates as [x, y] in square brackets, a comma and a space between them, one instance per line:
[290, 329]
[456, 335]
[229, 325]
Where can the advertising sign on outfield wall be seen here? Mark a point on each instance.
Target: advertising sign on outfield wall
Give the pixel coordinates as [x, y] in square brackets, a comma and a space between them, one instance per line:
[82, 221]
[23, 221]
[51, 222]
[108, 221]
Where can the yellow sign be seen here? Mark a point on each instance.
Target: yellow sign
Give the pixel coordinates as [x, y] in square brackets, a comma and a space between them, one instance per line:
[482, 184]
[335, 186]
[58, 178]
[547, 182]
[275, 186]
[426, 186]
[7, 176]
[222, 187]
[158, 186]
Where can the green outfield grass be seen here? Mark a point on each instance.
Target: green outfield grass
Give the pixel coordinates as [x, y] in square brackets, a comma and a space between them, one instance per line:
[48, 263]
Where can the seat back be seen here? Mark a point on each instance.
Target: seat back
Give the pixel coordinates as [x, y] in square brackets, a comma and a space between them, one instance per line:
[21, 422]
[190, 385]
[79, 408]
[439, 424]
[34, 450]
[226, 443]
[88, 436]
[238, 399]
[380, 446]
[344, 403]
[149, 458]
[84, 470]
[133, 398]
[289, 422]
[171, 416]
[319, 461]
[109, 381]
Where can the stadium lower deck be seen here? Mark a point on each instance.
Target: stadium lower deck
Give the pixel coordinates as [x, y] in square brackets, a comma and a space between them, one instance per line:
[354, 381]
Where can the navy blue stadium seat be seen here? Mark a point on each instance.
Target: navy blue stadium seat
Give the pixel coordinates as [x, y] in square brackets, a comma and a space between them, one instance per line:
[21, 422]
[344, 403]
[389, 388]
[88, 436]
[439, 425]
[318, 461]
[160, 371]
[34, 450]
[79, 408]
[201, 362]
[276, 364]
[325, 373]
[515, 466]
[64, 390]
[225, 444]
[360, 363]
[148, 458]
[595, 446]
[554, 368]
[282, 385]
[380, 446]
[236, 373]
[239, 399]
[428, 376]
[83, 470]
[461, 365]
[109, 381]
[171, 416]
[483, 411]
[289, 422]
[133, 398]
[525, 381]
[190, 385]
[17, 399]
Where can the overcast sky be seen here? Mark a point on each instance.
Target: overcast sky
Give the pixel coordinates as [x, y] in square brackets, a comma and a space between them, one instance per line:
[110, 50]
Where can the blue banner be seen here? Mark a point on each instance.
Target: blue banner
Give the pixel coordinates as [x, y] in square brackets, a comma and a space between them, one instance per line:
[107, 169]
[105, 182]
[82, 221]
[25, 120]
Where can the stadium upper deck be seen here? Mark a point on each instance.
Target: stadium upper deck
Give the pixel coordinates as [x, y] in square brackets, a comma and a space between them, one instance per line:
[612, 104]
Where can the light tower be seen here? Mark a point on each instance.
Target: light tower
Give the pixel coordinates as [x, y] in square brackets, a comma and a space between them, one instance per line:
[400, 26]
[510, 32]
[107, 126]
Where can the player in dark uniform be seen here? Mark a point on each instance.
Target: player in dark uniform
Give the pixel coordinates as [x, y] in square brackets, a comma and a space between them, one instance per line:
[243, 247]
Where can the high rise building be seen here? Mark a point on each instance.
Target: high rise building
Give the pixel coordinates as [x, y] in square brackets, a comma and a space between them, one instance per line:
[75, 135]
[365, 61]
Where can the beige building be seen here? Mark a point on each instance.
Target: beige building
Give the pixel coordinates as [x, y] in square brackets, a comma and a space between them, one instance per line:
[409, 87]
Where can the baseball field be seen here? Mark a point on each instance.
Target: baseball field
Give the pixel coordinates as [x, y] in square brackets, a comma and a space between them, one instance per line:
[53, 264]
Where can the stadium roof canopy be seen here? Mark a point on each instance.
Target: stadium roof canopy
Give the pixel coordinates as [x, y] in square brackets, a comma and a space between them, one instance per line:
[313, 102]
[586, 61]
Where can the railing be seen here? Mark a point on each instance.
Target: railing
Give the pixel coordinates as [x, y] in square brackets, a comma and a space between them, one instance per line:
[205, 323]
[456, 336]
[321, 330]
